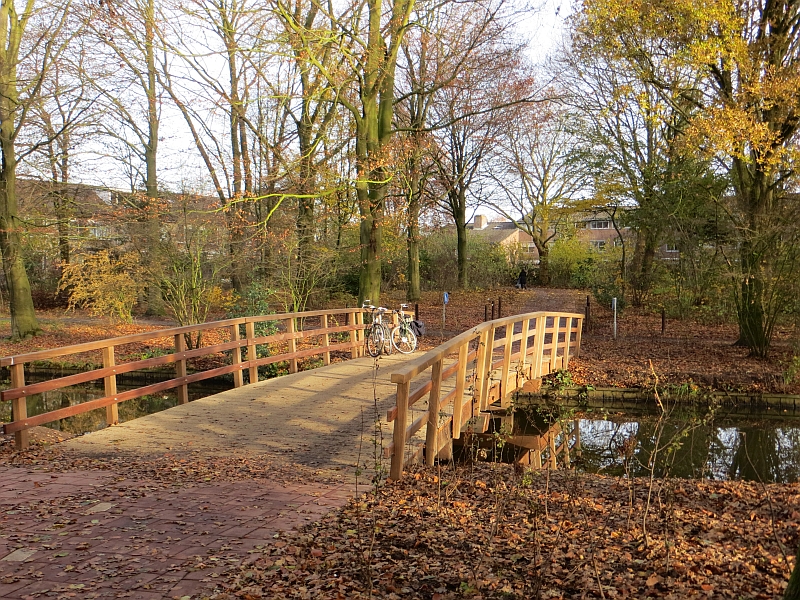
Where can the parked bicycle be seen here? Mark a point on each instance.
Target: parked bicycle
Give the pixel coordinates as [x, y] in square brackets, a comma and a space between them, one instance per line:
[403, 337]
[377, 335]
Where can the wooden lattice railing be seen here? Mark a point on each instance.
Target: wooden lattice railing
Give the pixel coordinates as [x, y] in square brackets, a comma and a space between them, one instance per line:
[489, 362]
[289, 329]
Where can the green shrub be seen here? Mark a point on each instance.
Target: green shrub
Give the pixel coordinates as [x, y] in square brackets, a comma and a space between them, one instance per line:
[571, 263]
[488, 264]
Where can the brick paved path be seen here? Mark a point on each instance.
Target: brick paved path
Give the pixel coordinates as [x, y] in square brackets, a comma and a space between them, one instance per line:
[91, 534]
[95, 534]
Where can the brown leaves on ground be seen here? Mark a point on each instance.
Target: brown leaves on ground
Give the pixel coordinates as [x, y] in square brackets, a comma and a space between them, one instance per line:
[483, 531]
[690, 351]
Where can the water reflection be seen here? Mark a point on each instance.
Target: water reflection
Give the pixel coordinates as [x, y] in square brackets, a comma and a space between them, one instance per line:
[754, 448]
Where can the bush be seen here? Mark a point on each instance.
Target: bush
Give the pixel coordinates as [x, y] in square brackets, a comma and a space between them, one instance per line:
[571, 263]
[105, 285]
[488, 265]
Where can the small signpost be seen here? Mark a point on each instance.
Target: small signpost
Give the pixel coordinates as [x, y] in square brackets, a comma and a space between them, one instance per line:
[445, 300]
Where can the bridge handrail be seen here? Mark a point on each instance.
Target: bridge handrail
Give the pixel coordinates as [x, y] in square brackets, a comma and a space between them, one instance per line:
[482, 391]
[417, 366]
[19, 391]
[28, 357]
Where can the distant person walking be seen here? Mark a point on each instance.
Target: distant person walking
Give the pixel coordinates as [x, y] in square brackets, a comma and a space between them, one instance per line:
[522, 281]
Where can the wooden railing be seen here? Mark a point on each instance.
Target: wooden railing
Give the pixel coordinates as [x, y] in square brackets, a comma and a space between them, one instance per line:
[289, 328]
[489, 362]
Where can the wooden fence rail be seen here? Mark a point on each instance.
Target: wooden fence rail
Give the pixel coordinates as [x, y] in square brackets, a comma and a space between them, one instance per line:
[289, 328]
[489, 362]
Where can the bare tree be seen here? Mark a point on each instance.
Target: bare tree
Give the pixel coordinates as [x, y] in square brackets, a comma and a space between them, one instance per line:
[542, 172]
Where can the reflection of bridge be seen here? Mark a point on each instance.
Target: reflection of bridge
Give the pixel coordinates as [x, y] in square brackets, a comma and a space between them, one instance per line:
[324, 417]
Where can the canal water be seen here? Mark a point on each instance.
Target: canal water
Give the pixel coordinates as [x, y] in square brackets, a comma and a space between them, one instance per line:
[722, 443]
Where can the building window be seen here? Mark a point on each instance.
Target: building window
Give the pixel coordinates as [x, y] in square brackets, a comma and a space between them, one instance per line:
[599, 224]
[530, 248]
[599, 245]
[671, 247]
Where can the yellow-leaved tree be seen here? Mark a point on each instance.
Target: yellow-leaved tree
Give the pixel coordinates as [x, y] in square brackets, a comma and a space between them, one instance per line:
[743, 108]
[103, 284]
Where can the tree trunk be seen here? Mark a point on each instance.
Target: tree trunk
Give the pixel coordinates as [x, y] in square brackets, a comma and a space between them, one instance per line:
[544, 265]
[413, 292]
[756, 252]
[370, 234]
[752, 331]
[152, 225]
[60, 207]
[23, 317]
[461, 252]
[643, 260]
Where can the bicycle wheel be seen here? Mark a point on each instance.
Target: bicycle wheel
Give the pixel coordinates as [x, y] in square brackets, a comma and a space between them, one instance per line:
[374, 341]
[403, 339]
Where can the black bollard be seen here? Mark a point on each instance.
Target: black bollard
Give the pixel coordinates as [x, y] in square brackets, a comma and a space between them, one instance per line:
[492, 310]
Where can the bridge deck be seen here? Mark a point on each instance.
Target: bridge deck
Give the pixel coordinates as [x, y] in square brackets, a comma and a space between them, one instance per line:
[317, 418]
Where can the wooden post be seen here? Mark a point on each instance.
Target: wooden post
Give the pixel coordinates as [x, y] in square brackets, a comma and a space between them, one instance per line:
[292, 345]
[538, 346]
[523, 345]
[360, 348]
[554, 344]
[492, 310]
[431, 437]
[578, 340]
[236, 358]
[505, 393]
[480, 360]
[458, 399]
[399, 437]
[326, 340]
[486, 369]
[19, 406]
[351, 322]
[180, 369]
[567, 339]
[250, 332]
[536, 459]
[110, 386]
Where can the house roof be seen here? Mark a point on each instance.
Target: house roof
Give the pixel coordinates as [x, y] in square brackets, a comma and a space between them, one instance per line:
[497, 233]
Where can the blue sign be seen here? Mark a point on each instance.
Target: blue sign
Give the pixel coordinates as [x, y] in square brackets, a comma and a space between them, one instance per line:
[446, 297]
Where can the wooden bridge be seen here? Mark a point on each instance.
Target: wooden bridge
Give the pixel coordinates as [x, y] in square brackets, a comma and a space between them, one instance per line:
[318, 415]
